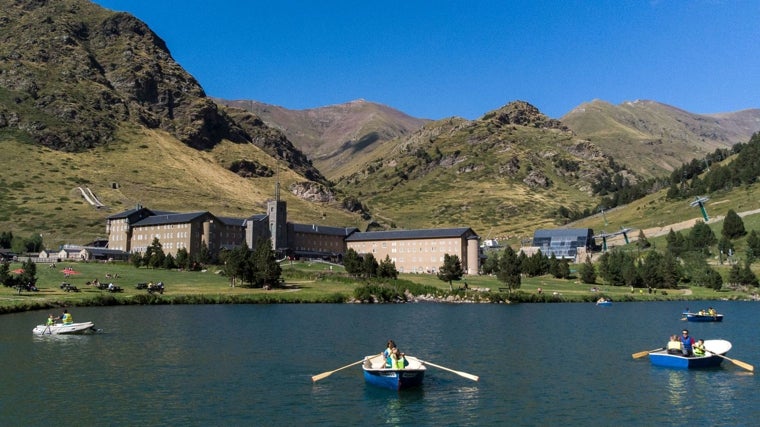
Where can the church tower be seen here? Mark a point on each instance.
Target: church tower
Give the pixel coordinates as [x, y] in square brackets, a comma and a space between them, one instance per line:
[278, 216]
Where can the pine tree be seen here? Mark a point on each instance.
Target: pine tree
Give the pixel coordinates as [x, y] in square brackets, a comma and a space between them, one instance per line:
[733, 226]
[509, 269]
[450, 270]
[588, 272]
[352, 262]
[387, 269]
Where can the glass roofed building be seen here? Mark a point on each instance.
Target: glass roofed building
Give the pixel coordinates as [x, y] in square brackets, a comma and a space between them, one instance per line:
[565, 243]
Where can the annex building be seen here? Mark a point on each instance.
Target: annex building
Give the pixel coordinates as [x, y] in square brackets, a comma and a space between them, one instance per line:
[563, 243]
[420, 251]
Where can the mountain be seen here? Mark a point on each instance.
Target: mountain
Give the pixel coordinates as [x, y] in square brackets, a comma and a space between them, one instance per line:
[653, 138]
[511, 171]
[90, 97]
[91, 100]
[336, 137]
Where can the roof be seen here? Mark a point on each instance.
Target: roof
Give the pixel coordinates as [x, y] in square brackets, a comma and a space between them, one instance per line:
[323, 229]
[563, 232]
[432, 233]
[96, 250]
[177, 218]
[130, 212]
[227, 220]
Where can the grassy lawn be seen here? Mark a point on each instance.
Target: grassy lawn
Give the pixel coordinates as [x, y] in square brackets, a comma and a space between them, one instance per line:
[304, 282]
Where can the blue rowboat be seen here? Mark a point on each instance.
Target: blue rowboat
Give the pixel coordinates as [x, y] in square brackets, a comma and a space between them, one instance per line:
[604, 302]
[377, 374]
[718, 347]
[696, 317]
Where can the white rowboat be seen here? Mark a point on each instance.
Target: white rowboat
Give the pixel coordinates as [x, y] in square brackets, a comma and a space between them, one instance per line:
[63, 329]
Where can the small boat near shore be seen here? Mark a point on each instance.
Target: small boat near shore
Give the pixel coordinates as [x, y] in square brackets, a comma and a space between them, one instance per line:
[65, 329]
[716, 350]
[700, 317]
[604, 302]
[377, 374]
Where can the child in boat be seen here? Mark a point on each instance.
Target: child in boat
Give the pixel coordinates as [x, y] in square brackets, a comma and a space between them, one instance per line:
[699, 348]
[387, 353]
[674, 345]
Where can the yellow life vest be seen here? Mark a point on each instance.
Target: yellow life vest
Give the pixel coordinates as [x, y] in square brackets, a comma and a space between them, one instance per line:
[67, 318]
[699, 351]
[674, 345]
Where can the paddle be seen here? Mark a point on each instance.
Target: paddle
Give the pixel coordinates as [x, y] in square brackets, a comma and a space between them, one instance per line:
[644, 353]
[323, 375]
[460, 373]
[739, 363]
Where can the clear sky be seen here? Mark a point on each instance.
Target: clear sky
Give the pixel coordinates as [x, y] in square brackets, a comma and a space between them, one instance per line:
[441, 58]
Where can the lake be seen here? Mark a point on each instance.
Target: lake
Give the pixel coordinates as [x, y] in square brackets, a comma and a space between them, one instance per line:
[539, 364]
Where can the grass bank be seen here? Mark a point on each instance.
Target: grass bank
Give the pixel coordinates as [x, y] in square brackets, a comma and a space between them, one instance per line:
[305, 282]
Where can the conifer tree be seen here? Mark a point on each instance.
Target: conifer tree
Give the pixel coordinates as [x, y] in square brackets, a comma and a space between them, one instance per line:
[450, 270]
[733, 226]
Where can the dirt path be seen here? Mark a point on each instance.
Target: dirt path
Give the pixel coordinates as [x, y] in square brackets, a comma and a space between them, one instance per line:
[660, 231]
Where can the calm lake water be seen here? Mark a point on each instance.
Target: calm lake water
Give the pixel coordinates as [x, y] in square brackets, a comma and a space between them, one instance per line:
[539, 364]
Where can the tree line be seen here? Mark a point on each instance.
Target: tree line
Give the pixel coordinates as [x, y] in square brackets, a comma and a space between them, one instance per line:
[696, 178]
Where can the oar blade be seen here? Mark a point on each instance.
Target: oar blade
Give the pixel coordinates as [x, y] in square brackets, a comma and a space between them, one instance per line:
[318, 377]
[460, 373]
[469, 376]
[644, 353]
[321, 376]
[744, 365]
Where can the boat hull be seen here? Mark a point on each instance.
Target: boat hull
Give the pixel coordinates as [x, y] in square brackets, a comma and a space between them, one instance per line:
[394, 379]
[692, 317]
[604, 303]
[663, 359]
[60, 329]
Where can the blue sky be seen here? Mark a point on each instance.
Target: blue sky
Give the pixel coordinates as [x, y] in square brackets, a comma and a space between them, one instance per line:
[437, 59]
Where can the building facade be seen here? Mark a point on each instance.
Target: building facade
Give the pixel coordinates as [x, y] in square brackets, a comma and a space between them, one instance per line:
[413, 251]
[419, 251]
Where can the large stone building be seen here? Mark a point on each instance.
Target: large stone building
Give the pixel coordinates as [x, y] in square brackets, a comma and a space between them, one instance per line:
[413, 251]
[419, 251]
[134, 230]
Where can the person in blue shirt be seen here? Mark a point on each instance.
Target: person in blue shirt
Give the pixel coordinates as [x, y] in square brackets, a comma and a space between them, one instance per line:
[388, 352]
[687, 343]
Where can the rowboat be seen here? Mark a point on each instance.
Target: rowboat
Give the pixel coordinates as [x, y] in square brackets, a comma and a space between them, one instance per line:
[696, 317]
[377, 374]
[604, 302]
[711, 359]
[64, 329]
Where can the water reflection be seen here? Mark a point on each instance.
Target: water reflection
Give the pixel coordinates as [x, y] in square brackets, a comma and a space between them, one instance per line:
[677, 392]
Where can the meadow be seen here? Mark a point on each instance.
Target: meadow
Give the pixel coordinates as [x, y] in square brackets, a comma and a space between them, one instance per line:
[305, 282]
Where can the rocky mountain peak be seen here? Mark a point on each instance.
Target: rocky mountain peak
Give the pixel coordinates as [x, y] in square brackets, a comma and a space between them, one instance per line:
[71, 71]
[523, 114]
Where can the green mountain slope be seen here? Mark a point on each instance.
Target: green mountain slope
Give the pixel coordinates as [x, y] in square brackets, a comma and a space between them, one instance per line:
[652, 138]
[93, 98]
[504, 174]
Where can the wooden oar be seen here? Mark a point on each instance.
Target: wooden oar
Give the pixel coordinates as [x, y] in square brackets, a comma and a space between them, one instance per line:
[644, 353]
[739, 363]
[323, 375]
[460, 373]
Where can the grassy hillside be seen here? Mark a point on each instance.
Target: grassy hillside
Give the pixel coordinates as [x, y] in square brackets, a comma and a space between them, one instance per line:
[653, 138]
[656, 215]
[335, 137]
[38, 185]
[500, 178]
